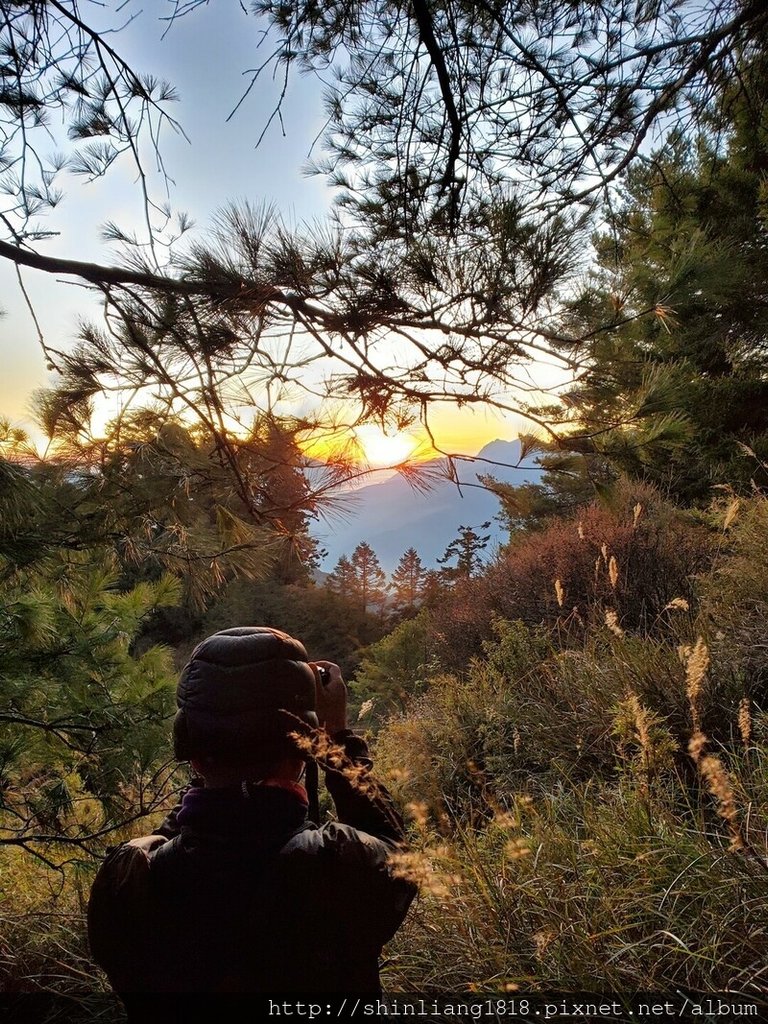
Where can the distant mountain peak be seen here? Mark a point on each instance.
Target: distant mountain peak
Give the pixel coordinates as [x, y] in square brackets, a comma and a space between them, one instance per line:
[392, 516]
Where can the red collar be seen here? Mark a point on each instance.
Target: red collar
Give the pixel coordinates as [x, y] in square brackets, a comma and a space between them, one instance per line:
[293, 787]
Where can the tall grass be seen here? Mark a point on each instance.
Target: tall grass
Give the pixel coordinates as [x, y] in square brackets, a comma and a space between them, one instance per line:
[592, 815]
[42, 927]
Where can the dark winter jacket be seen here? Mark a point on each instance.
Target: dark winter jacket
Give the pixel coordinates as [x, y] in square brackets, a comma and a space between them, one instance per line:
[239, 892]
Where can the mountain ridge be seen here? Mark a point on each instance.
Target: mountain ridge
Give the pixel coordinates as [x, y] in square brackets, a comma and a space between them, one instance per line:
[392, 516]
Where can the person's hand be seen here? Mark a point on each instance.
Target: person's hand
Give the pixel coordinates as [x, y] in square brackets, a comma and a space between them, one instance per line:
[331, 697]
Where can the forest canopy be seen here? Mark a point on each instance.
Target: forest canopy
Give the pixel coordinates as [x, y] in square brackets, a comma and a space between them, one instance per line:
[473, 149]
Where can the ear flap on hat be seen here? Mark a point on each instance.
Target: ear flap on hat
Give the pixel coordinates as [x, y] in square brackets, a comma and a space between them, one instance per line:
[181, 745]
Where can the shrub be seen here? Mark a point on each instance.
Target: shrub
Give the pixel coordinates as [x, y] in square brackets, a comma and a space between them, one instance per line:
[633, 556]
[397, 666]
[592, 816]
[42, 924]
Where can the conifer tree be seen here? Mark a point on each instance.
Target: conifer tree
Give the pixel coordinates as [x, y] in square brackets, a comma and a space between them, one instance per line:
[466, 550]
[689, 242]
[433, 588]
[467, 210]
[370, 581]
[342, 579]
[85, 707]
[407, 582]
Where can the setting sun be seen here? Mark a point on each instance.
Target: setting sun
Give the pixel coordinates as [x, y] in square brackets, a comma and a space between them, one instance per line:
[380, 449]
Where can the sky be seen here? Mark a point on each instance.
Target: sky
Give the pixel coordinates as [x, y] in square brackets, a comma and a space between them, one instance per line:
[204, 55]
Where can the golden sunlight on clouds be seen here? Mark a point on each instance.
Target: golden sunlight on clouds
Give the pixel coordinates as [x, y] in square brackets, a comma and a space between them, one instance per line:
[465, 431]
[455, 431]
[367, 446]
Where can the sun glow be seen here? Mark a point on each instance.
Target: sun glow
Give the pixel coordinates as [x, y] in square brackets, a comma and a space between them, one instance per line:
[380, 449]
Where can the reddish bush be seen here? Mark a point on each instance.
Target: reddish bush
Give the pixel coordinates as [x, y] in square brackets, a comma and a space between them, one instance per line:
[633, 556]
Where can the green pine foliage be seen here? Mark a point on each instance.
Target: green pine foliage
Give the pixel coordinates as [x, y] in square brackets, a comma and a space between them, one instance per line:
[672, 381]
[84, 745]
[408, 583]
[464, 555]
[360, 579]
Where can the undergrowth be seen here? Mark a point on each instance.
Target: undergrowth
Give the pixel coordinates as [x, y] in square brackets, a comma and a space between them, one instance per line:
[592, 816]
[586, 811]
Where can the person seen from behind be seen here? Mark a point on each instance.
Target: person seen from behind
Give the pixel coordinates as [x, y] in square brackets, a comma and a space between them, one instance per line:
[238, 890]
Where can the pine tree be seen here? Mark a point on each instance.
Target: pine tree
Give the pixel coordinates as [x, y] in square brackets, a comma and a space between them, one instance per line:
[85, 708]
[407, 582]
[433, 589]
[370, 581]
[342, 579]
[466, 549]
[678, 397]
[465, 214]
